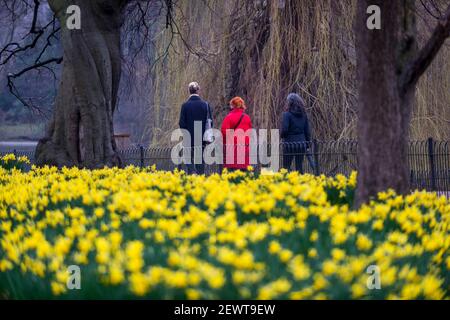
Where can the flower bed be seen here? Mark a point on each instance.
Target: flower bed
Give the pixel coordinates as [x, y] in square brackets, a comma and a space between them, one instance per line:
[147, 234]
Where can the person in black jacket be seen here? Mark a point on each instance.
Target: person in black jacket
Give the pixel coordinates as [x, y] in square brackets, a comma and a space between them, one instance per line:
[195, 111]
[295, 132]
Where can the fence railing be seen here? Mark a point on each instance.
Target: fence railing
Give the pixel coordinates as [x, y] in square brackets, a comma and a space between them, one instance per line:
[428, 161]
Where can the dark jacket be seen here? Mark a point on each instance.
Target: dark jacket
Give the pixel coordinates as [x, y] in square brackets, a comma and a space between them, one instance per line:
[195, 109]
[295, 127]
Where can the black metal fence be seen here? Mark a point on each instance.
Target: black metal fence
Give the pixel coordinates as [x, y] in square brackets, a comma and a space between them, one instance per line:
[429, 161]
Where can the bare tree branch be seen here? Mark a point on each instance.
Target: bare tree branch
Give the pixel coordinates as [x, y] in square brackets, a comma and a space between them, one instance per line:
[425, 56]
[12, 88]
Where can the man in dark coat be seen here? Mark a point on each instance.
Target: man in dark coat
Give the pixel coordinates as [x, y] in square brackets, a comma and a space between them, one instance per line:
[193, 116]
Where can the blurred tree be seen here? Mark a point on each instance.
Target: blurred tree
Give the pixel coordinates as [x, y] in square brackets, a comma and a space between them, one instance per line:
[81, 130]
[389, 65]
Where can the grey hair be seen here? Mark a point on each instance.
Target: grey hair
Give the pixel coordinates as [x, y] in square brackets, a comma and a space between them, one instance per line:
[296, 103]
[194, 87]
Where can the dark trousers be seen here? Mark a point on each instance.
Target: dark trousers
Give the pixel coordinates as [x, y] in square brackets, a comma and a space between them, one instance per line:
[294, 152]
[194, 168]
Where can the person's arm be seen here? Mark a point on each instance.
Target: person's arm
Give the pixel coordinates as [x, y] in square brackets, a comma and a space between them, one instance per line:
[224, 128]
[307, 130]
[211, 115]
[249, 127]
[182, 121]
[285, 125]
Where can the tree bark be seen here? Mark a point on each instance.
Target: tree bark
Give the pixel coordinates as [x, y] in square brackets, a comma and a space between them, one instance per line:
[384, 115]
[81, 132]
[388, 67]
[245, 45]
[236, 51]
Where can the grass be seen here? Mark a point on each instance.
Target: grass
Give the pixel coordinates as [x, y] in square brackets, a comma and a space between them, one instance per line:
[25, 131]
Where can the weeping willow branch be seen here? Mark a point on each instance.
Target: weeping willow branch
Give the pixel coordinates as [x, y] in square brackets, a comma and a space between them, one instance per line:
[262, 51]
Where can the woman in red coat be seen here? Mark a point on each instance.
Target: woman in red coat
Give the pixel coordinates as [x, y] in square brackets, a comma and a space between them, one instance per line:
[237, 145]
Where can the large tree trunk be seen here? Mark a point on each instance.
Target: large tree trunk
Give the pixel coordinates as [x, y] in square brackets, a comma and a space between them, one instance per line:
[384, 110]
[81, 132]
[245, 45]
[236, 52]
[389, 67]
